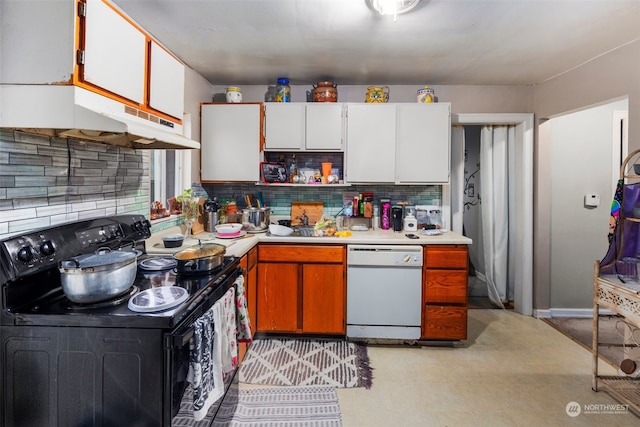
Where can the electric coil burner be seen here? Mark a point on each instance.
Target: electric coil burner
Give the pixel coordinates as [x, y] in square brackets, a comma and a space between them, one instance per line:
[103, 364]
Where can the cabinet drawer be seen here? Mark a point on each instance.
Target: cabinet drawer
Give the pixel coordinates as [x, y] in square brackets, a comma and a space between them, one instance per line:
[444, 323]
[445, 286]
[446, 256]
[301, 253]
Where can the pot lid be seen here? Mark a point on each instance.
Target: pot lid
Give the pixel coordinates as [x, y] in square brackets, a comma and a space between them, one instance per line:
[158, 299]
[201, 250]
[100, 258]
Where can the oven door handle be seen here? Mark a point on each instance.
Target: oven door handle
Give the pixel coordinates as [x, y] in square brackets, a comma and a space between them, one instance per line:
[181, 339]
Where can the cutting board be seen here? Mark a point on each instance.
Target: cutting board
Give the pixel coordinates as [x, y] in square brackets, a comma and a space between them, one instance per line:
[312, 209]
[199, 223]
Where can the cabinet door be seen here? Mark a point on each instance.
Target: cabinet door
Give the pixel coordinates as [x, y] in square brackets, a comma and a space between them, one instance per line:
[230, 142]
[251, 287]
[166, 82]
[370, 152]
[324, 126]
[277, 297]
[284, 126]
[115, 52]
[323, 299]
[422, 143]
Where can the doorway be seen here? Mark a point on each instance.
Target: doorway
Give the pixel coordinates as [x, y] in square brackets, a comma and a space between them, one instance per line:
[521, 231]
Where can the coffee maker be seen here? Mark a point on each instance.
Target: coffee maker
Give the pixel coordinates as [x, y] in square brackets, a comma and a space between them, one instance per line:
[397, 216]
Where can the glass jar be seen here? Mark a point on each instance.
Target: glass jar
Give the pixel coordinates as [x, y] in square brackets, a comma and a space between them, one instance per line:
[283, 90]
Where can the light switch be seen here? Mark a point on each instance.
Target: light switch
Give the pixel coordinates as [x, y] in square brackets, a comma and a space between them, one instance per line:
[591, 200]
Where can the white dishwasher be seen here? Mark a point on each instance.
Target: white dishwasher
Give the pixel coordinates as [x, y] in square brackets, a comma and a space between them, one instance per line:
[384, 291]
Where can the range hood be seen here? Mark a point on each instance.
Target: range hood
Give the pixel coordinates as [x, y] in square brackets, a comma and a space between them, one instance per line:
[69, 111]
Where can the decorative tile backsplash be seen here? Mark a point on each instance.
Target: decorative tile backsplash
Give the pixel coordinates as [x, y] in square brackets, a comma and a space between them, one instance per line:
[279, 197]
[45, 181]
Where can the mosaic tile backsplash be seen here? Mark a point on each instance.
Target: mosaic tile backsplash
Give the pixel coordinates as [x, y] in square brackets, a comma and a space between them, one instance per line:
[46, 181]
[279, 198]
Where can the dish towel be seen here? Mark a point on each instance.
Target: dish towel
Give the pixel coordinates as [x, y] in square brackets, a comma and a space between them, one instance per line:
[214, 353]
[205, 373]
[242, 315]
[225, 329]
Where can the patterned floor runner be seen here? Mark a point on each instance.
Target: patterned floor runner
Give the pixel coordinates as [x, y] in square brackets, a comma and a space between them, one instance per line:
[303, 362]
[315, 406]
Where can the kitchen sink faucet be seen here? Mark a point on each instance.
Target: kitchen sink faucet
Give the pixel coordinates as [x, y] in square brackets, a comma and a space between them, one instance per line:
[304, 218]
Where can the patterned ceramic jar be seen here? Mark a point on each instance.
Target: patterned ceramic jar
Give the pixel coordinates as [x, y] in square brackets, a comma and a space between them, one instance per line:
[234, 94]
[377, 94]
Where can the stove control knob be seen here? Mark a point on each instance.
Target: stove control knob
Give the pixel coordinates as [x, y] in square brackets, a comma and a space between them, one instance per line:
[47, 248]
[25, 254]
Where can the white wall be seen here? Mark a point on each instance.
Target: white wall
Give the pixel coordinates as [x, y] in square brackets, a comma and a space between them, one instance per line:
[581, 149]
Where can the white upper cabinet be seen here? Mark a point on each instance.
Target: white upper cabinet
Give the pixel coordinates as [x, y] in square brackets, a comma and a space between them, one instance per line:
[398, 143]
[230, 142]
[303, 126]
[166, 82]
[94, 46]
[423, 143]
[115, 52]
[370, 151]
[324, 130]
[284, 126]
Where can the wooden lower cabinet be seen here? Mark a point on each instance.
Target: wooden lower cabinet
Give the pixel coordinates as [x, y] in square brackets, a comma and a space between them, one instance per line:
[301, 289]
[444, 292]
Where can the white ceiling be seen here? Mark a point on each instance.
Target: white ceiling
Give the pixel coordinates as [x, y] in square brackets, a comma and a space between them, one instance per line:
[440, 42]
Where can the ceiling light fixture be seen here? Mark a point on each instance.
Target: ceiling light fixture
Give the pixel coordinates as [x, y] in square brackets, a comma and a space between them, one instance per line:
[393, 7]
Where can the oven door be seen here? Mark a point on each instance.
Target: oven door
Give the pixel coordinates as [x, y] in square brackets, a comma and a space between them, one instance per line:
[178, 345]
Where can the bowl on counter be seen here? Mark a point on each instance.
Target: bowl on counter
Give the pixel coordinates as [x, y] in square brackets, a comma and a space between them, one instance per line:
[173, 240]
[227, 230]
[280, 230]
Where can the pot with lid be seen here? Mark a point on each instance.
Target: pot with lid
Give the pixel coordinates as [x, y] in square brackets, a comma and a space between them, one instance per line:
[200, 258]
[325, 92]
[97, 277]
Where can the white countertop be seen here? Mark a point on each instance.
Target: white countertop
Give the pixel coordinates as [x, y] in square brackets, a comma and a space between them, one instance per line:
[240, 246]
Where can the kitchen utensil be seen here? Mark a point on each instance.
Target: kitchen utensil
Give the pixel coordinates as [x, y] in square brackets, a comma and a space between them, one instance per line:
[325, 92]
[200, 258]
[173, 240]
[377, 94]
[99, 276]
[280, 230]
[255, 219]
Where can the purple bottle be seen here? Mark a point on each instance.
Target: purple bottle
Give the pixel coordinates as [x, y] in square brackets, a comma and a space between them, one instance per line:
[385, 217]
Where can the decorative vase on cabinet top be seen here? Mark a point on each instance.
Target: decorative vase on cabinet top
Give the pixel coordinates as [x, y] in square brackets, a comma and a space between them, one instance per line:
[377, 94]
[325, 92]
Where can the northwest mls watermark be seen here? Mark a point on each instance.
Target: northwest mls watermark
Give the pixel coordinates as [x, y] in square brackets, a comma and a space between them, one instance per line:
[573, 409]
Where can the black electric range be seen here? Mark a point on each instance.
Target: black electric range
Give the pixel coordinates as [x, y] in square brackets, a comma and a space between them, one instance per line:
[98, 364]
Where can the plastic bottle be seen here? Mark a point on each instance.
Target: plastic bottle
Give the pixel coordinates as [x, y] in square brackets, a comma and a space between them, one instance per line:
[283, 90]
